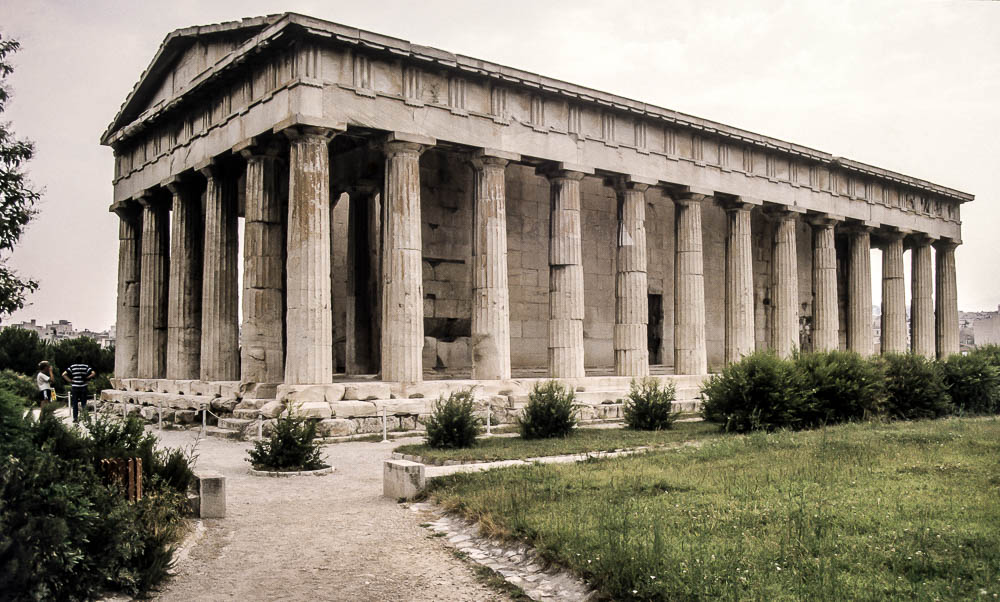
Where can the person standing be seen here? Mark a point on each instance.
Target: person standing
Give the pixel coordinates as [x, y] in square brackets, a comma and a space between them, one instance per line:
[77, 375]
[44, 381]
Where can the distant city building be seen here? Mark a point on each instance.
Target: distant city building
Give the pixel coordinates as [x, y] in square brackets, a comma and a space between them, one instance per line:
[54, 332]
[986, 327]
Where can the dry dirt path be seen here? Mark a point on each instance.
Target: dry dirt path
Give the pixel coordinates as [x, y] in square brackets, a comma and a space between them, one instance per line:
[314, 538]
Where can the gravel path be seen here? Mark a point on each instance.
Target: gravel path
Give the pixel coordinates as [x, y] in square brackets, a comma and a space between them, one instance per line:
[320, 538]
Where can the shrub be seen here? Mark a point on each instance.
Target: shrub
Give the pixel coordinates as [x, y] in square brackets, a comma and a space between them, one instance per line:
[650, 405]
[842, 386]
[291, 446]
[973, 383]
[991, 353]
[113, 437]
[63, 533]
[550, 412]
[20, 385]
[915, 387]
[452, 424]
[760, 392]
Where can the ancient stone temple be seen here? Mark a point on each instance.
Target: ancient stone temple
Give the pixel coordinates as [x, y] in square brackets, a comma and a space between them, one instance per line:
[316, 213]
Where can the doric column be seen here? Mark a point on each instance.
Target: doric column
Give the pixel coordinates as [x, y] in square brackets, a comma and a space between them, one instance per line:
[308, 307]
[893, 294]
[785, 281]
[153, 289]
[184, 311]
[566, 308]
[490, 297]
[129, 266]
[946, 299]
[262, 347]
[631, 291]
[826, 321]
[739, 282]
[859, 292]
[219, 298]
[362, 311]
[922, 310]
[690, 354]
[402, 259]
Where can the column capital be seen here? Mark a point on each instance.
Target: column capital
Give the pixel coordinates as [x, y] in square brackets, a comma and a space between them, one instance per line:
[176, 184]
[564, 171]
[623, 182]
[824, 220]
[731, 204]
[210, 168]
[780, 212]
[301, 126]
[859, 227]
[145, 198]
[125, 210]
[490, 156]
[269, 148]
[397, 143]
[946, 244]
[919, 239]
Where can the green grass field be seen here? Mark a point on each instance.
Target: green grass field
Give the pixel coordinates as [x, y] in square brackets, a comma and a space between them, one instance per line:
[909, 510]
[581, 440]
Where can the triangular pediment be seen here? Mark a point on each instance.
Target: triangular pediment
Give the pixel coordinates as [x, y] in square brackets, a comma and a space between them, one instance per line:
[182, 57]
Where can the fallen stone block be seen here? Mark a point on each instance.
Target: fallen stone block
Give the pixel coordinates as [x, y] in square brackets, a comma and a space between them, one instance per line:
[311, 409]
[402, 479]
[303, 393]
[335, 427]
[367, 391]
[352, 409]
[211, 495]
[272, 409]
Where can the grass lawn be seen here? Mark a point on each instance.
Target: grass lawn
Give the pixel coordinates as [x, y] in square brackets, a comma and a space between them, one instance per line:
[863, 511]
[581, 440]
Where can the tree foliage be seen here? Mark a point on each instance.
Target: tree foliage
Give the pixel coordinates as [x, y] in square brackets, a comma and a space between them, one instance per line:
[17, 199]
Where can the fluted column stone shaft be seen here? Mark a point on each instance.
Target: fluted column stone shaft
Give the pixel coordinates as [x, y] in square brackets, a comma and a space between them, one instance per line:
[946, 299]
[631, 344]
[308, 308]
[785, 279]
[184, 312]
[153, 290]
[893, 295]
[262, 350]
[739, 283]
[490, 295]
[566, 292]
[127, 315]
[922, 311]
[826, 321]
[859, 294]
[219, 293]
[402, 269]
[690, 353]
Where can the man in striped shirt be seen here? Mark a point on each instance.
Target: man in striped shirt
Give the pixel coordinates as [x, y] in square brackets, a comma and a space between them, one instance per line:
[77, 376]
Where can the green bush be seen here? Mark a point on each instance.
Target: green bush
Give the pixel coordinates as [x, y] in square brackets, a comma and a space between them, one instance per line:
[21, 386]
[113, 437]
[760, 392]
[841, 386]
[650, 405]
[64, 534]
[991, 353]
[550, 412]
[453, 424]
[915, 387]
[973, 383]
[291, 446]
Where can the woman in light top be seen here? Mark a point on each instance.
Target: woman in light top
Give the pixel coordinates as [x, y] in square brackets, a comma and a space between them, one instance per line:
[44, 381]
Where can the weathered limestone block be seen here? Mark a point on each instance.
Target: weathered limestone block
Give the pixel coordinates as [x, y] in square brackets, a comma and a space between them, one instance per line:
[402, 479]
[352, 409]
[335, 427]
[403, 406]
[302, 393]
[185, 416]
[224, 404]
[211, 495]
[566, 291]
[272, 409]
[310, 409]
[367, 391]
[454, 354]
[149, 413]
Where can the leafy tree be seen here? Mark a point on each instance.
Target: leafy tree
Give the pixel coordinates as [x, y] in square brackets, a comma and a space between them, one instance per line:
[21, 350]
[17, 199]
[83, 349]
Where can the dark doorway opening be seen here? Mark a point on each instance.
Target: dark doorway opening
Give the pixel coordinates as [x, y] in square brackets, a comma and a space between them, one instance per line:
[654, 331]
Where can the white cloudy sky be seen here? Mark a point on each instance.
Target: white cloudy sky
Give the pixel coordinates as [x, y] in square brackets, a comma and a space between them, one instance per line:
[911, 86]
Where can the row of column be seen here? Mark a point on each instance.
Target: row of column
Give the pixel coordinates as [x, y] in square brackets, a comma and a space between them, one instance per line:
[287, 290]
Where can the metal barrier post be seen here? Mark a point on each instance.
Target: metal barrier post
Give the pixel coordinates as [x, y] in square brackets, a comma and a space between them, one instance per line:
[489, 415]
[260, 427]
[385, 427]
[204, 419]
[159, 413]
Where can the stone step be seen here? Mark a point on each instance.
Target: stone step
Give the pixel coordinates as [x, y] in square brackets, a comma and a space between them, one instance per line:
[246, 414]
[234, 424]
[222, 433]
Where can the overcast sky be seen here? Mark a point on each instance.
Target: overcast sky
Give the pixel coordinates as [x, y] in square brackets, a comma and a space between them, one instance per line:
[910, 86]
